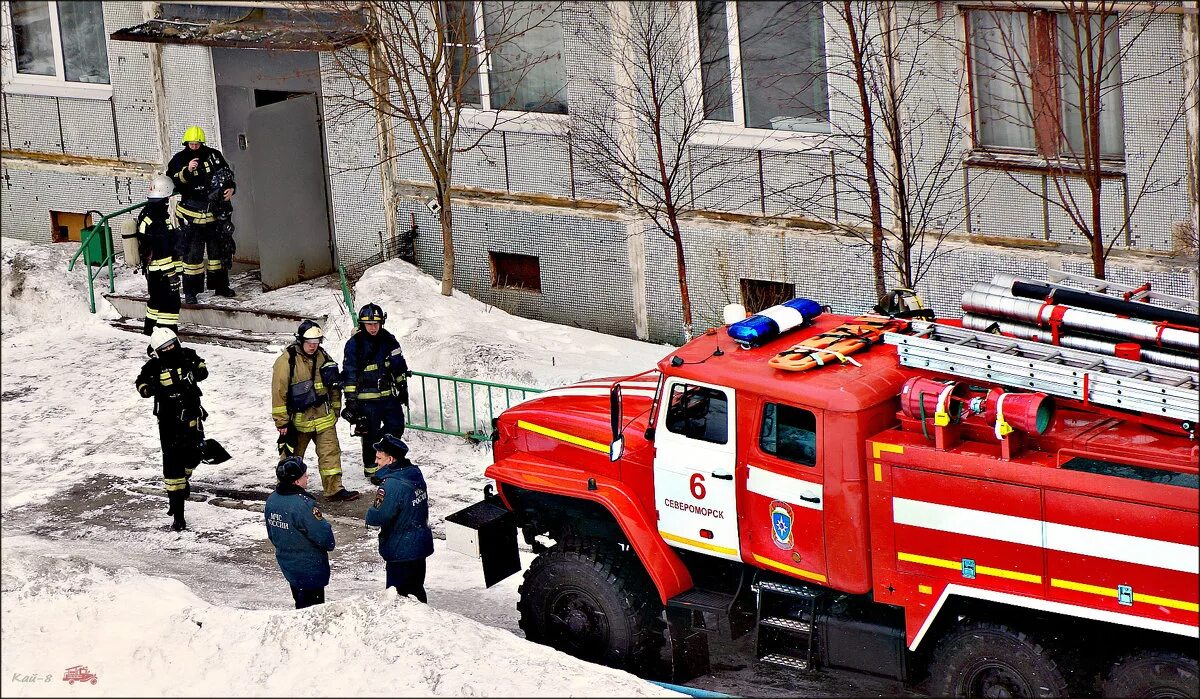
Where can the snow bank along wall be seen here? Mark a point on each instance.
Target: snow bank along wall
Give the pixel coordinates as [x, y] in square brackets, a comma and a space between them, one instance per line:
[600, 266]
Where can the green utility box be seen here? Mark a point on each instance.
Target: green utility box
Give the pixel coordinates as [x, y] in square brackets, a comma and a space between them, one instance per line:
[99, 248]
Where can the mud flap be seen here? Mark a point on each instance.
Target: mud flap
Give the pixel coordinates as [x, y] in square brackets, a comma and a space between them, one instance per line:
[486, 531]
[688, 643]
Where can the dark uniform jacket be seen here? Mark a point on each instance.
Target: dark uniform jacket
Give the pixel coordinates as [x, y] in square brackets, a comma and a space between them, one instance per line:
[301, 536]
[158, 239]
[401, 509]
[372, 365]
[171, 380]
[195, 187]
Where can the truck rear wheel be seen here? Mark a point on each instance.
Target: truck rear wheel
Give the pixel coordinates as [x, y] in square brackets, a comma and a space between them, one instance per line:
[992, 660]
[1153, 674]
[594, 602]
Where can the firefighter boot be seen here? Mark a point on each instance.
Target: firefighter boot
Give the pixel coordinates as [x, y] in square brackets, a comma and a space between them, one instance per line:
[177, 499]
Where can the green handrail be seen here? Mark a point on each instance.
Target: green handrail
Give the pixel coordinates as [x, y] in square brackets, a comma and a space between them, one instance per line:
[107, 260]
[346, 295]
[439, 393]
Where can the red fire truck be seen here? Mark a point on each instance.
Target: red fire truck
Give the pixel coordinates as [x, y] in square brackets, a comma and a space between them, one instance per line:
[982, 514]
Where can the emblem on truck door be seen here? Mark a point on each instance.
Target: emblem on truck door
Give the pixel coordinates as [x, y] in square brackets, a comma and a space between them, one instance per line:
[781, 524]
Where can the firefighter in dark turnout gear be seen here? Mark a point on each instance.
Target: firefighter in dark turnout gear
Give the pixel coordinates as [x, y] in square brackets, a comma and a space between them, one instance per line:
[205, 183]
[300, 534]
[170, 377]
[158, 246]
[401, 510]
[375, 383]
[306, 397]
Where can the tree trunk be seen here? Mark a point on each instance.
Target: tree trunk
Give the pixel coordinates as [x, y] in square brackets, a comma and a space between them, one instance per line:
[856, 53]
[445, 218]
[1098, 252]
[685, 298]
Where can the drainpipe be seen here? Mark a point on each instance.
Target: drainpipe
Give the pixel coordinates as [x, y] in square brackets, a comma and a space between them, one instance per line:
[387, 146]
[158, 89]
[635, 230]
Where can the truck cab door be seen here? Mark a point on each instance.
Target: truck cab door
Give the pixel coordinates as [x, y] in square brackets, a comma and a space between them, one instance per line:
[783, 507]
[695, 454]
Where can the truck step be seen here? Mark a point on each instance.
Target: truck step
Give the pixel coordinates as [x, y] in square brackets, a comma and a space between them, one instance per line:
[780, 588]
[786, 661]
[786, 624]
[701, 600]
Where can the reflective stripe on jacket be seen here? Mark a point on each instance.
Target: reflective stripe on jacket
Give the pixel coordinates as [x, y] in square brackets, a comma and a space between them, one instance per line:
[371, 364]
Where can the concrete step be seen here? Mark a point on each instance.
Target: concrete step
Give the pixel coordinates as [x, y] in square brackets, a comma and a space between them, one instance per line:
[217, 316]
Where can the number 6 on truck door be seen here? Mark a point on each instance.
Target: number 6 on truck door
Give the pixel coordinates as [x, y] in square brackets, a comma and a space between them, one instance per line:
[695, 453]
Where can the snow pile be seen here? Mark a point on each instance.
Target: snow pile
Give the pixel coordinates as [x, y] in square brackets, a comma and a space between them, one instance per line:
[150, 636]
[461, 336]
[36, 288]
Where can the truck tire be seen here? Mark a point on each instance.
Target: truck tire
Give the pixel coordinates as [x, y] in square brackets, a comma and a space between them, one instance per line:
[992, 660]
[1153, 674]
[593, 602]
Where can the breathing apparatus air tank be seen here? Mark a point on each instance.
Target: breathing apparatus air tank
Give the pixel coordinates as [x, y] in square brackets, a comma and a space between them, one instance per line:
[129, 243]
[774, 321]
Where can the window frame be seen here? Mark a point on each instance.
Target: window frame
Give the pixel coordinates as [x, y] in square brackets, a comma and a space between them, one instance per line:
[735, 134]
[496, 258]
[46, 85]
[483, 116]
[1046, 96]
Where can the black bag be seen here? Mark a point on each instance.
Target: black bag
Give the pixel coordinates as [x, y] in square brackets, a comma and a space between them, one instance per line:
[302, 396]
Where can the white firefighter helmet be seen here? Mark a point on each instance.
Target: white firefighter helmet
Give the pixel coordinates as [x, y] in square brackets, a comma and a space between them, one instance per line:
[161, 337]
[161, 187]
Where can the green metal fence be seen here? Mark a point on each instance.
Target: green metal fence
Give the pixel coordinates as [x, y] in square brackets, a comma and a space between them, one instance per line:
[96, 246]
[464, 407]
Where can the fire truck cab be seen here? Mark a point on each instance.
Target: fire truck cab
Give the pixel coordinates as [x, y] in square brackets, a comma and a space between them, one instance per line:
[914, 523]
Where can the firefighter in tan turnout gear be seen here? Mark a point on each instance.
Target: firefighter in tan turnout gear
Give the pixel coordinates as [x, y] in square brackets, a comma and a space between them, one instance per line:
[306, 397]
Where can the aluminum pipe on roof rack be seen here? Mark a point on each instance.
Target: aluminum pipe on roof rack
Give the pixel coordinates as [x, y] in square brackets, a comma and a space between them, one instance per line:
[1093, 301]
[988, 300]
[1026, 331]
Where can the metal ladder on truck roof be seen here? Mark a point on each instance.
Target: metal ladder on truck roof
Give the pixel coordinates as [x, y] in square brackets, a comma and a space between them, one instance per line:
[1058, 371]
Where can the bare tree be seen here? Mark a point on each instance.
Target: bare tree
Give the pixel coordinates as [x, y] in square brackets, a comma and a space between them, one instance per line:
[425, 64]
[896, 148]
[1050, 86]
[636, 132]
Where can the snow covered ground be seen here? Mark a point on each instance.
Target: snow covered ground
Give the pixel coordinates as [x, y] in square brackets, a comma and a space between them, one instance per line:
[92, 576]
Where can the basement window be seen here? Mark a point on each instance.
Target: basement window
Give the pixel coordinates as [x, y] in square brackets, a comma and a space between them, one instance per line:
[513, 271]
[758, 294]
[68, 226]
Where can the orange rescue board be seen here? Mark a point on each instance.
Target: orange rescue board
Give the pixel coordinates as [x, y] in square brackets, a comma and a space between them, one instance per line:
[836, 344]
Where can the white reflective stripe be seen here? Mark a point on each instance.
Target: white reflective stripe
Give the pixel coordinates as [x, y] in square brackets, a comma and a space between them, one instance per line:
[781, 487]
[960, 520]
[1053, 536]
[395, 352]
[557, 392]
[1048, 606]
[624, 384]
[785, 317]
[1123, 547]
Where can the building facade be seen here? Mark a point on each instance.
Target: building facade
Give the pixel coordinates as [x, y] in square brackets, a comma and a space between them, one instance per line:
[96, 96]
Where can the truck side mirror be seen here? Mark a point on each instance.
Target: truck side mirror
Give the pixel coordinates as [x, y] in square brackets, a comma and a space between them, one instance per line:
[614, 413]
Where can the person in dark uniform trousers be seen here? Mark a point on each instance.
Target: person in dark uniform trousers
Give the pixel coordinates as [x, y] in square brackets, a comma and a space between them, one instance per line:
[205, 184]
[300, 534]
[159, 248]
[401, 511]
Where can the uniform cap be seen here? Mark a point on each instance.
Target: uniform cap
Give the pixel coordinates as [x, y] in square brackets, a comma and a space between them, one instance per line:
[391, 446]
[291, 469]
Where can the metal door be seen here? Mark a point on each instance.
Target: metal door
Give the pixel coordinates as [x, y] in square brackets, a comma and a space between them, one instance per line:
[694, 457]
[287, 171]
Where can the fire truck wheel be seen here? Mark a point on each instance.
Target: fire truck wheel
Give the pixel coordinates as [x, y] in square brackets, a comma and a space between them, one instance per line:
[593, 602]
[992, 660]
[1153, 674]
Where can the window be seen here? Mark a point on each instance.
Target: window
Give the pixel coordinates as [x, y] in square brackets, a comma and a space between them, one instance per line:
[1137, 473]
[1028, 86]
[789, 433]
[762, 64]
[509, 54]
[699, 412]
[758, 294]
[512, 271]
[52, 44]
